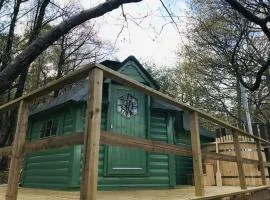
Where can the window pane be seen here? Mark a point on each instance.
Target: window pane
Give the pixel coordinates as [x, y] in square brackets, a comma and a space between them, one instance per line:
[54, 127]
[49, 124]
[42, 131]
[49, 128]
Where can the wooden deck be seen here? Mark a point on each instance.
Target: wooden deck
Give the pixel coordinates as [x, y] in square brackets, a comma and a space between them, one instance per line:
[181, 193]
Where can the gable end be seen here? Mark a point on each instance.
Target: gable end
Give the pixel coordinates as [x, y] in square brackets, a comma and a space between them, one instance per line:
[133, 68]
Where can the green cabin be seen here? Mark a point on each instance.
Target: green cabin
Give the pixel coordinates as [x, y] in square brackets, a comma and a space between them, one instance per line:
[124, 110]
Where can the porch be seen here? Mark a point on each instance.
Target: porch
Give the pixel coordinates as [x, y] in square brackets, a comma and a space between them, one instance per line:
[92, 137]
[180, 193]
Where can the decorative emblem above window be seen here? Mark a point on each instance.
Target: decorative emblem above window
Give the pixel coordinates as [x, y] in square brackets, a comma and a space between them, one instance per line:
[127, 105]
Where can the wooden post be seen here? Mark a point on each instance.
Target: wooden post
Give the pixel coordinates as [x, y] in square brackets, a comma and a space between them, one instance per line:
[218, 174]
[237, 150]
[17, 151]
[89, 177]
[261, 165]
[196, 154]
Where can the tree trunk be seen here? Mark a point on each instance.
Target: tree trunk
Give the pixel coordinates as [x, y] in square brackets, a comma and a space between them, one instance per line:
[239, 104]
[61, 63]
[8, 48]
[34, 34]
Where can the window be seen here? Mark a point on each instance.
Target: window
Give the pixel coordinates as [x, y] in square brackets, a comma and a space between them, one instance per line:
[49, 128]
[127, 105]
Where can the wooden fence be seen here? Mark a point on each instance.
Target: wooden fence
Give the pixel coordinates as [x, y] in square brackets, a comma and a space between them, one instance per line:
[93, 136]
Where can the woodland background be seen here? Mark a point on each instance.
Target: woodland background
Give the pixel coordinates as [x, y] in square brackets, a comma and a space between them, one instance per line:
[227, 45]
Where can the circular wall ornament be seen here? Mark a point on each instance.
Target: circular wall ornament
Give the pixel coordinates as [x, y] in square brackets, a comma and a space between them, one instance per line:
[127, 105]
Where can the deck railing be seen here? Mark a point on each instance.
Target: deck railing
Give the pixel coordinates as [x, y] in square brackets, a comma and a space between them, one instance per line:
[93, 136]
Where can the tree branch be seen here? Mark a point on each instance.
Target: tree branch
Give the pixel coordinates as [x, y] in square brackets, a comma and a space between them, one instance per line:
[245, 12]
[258, 79]
[31, 52]
[176, 26]
[250, 16]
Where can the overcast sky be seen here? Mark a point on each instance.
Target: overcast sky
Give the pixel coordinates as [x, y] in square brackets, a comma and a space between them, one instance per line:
[144, 40]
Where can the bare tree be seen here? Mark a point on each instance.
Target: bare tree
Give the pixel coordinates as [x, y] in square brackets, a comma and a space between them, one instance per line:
[226, 50]
[37, 37]
[258, 13]
[32, 51]
[81, 45]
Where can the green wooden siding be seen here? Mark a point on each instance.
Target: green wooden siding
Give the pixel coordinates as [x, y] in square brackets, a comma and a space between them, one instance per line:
[50, 168]
[130, 69]
[125, 161]
[159, 168]
[158, 174]
[61, 168]
[184, 164]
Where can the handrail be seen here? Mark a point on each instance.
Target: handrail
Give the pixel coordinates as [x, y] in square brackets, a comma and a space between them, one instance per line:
[125, 80]
[57, 84]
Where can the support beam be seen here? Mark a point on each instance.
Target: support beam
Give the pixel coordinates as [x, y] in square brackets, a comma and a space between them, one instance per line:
[239, 160]
[261, 162]
[124, 141]
[196, 154]
[89, 176]
[17, 151]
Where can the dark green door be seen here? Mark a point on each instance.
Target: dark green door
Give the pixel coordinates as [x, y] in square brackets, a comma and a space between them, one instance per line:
[127, 117]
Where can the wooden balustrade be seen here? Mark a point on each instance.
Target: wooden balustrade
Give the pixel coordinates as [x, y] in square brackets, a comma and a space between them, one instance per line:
[93, 137]
[239, 160]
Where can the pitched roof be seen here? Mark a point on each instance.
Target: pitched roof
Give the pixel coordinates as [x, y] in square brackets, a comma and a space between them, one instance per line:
[163, 106]
[116, 65]
[78, 92]
[134, 59]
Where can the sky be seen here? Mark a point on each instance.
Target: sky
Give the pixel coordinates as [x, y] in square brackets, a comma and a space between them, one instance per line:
[148, 35]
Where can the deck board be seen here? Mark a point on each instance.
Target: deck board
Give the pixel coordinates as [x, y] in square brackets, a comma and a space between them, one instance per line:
[180, 193]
